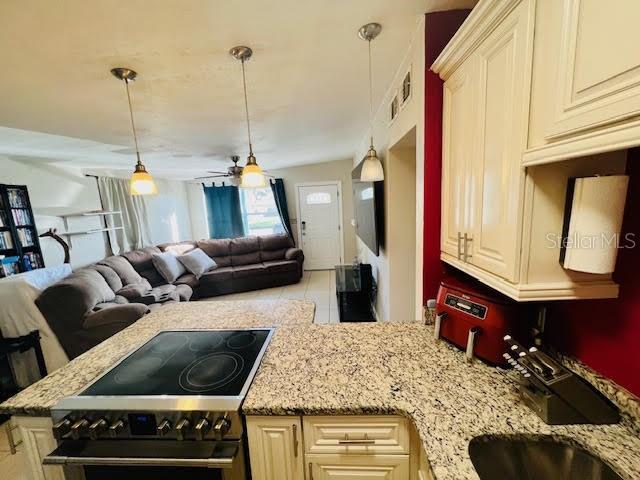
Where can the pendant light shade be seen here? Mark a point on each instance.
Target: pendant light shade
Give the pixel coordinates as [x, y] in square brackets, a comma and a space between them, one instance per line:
[252, 174]
[372, 170]
[141, 181]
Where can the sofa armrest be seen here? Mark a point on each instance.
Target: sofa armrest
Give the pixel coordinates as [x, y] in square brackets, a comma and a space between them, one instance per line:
[126, 315]
[294, 254]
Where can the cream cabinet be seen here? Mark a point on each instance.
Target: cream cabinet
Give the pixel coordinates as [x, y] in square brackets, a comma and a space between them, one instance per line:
[493, 205]
[38, 442]
[358, 467]
[275, 448]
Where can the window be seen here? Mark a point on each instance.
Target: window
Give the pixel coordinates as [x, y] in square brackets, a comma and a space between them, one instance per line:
[259, 212]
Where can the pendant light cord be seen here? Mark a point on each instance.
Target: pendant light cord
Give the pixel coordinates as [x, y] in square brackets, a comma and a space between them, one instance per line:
[133, 125]
[246, 109]
[370, 96]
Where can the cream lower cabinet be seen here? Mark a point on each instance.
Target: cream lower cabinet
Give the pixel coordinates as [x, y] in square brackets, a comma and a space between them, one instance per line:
[38, 442]
[359, 447]
[358, 467]
[275, 448]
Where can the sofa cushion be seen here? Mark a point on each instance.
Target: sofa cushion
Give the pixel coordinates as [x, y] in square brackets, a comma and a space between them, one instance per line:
[178, 248]
[274, 247]
[245, 251]
[109, 274]
[184, 292]
[168, 265]
[142, 262]
[187, 279]
[197, 262]
[218, 249]
[96, 282]
[243, 271]
[280, 266]
[220, 274]
[134, 291]
[123, 268]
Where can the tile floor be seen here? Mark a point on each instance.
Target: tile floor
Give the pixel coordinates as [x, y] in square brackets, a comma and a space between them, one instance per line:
[319, 286]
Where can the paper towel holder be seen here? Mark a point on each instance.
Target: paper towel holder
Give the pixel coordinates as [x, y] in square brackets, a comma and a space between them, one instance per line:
[591, 227]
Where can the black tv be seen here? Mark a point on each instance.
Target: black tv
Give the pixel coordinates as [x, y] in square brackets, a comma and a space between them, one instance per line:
[368, 205]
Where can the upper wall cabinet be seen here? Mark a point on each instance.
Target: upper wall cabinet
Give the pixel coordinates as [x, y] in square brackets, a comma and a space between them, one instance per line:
[500, 220]
[585, 95]
[599, 65]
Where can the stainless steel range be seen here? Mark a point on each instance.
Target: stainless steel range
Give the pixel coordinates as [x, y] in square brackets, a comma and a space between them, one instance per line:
[171, 409]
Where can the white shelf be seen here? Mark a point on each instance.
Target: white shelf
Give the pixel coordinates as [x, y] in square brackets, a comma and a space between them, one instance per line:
[90, 231]
[95, 213]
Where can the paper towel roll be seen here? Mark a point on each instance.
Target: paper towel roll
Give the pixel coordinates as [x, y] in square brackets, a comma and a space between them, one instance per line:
[591, 241]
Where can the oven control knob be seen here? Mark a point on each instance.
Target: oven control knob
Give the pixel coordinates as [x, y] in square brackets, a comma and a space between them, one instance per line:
[78, 428]
[201, 428]
[182, 427]
[221, 427]
[61, 428]
[164, 427]
[97, 428]
[116, 428]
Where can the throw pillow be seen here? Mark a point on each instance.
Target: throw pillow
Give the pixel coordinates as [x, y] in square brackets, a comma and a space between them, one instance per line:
[168, 266]
[197, 262]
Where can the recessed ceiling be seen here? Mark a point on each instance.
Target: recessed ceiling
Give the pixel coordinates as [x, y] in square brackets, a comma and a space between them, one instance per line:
[306, 81]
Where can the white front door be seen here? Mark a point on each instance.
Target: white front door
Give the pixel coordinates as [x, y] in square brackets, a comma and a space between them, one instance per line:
[319, 224]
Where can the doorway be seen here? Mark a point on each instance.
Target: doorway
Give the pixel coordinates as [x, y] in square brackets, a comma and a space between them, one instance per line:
[320, 231]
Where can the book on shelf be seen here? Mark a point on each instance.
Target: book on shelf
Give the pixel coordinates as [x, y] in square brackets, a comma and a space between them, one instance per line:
[4, 222]
[17, 198]
[9, 266]
[6, 242]
[26, 237]
[32, 261]
[21, 216]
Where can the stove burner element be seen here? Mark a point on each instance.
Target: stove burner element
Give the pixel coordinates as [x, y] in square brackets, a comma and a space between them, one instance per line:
[205, 343]
[210, 372]
[241, 340]
[139, 371]
[170, 344]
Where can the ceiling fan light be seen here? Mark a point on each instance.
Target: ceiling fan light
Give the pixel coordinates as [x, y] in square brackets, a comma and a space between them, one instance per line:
[142, 182]
[372, 170]
[253, 177]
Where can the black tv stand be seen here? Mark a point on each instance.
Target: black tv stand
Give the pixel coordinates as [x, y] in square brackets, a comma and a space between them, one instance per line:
[355, 289]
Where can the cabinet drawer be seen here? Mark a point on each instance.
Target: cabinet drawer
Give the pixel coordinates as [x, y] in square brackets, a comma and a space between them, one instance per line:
[356, 434]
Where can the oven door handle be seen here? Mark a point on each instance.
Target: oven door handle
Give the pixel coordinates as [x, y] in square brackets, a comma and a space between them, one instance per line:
[221, 455]
[225, 462]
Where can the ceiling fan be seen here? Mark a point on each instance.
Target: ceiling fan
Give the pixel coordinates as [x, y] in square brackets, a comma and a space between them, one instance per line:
[233, 173]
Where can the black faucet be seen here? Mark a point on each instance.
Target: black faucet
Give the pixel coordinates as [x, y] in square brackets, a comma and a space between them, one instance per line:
[556, 394]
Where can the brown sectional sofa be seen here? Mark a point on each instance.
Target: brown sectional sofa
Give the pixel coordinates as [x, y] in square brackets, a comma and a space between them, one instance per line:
[97, 301]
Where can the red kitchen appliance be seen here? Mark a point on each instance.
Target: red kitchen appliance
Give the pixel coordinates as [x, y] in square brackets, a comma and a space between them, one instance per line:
[476, 319]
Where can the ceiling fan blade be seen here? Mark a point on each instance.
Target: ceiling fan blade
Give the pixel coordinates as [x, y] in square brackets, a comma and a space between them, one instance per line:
[211, 176]
[212, 171]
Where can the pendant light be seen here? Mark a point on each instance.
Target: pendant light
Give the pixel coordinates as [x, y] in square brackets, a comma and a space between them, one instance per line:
[141, 181]
[371, 166]
[252, 174]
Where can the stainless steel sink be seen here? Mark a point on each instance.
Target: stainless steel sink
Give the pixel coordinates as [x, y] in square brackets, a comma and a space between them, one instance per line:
[511, 458]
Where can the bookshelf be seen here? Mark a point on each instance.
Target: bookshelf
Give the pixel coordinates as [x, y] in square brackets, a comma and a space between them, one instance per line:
[19, 242]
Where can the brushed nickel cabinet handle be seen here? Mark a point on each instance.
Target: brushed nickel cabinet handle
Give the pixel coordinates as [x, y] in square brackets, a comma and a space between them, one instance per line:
[466, 239]
[360, 441]
[295, 440]
[310, 471]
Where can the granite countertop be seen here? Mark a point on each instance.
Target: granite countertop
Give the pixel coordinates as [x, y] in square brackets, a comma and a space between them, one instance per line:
[398, 368]
[39, 398]
[373, 368]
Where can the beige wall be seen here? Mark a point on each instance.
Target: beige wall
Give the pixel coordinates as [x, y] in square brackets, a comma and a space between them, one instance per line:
[386, 136]
[323, 172]
[55, 190]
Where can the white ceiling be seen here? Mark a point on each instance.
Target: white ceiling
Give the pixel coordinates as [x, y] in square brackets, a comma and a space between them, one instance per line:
[306, 82]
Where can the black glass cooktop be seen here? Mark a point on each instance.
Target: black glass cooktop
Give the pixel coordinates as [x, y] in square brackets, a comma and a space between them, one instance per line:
[205, 362]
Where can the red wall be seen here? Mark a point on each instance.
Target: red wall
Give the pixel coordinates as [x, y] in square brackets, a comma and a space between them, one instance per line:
[605, 334]
[439, 28]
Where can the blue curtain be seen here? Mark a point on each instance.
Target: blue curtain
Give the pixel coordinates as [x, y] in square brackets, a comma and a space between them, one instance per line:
[277, 187]
[224, 214]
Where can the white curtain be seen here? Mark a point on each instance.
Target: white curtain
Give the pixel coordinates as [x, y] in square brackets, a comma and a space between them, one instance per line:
[116, 196]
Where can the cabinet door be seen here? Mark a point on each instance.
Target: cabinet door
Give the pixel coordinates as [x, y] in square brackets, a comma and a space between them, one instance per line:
[275, 448]
[457, 141]
[599, 65]
[358, 467]
[38, 442]
[504, 71]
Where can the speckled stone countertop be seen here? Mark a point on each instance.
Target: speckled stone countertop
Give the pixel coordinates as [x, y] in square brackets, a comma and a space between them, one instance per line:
[397, 368]
[39, 398]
